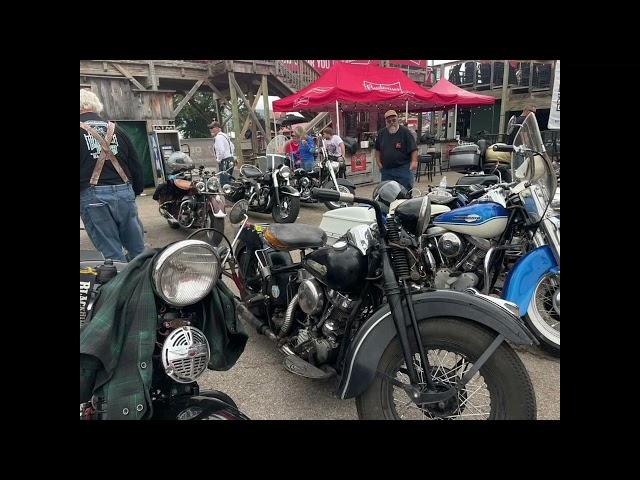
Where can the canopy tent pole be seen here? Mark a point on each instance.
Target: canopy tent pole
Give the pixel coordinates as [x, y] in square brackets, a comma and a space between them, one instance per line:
[455, 122]
[337, 118]
[275, 127]
[406, 113]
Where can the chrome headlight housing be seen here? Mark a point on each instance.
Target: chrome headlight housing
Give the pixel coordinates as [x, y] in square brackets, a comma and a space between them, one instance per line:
[285, 172]
[335, 166]
[200, 186]
[226, 189]
[213, 184]
[185, 272]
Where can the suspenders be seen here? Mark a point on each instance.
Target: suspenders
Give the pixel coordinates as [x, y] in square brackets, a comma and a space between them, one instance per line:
[105, 153]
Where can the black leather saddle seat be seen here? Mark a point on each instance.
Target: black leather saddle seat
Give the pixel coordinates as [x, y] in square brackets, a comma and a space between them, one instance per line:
[288, 236]
[251, 171]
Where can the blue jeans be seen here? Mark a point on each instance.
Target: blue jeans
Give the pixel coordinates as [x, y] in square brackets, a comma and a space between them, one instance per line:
[110, 217]
[401, 174]
[224, 164]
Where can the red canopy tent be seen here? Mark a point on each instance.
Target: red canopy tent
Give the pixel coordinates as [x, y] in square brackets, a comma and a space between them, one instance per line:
[355, 87]
[454, 95]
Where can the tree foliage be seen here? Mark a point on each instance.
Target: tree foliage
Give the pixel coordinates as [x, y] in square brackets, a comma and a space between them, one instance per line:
[194, 118]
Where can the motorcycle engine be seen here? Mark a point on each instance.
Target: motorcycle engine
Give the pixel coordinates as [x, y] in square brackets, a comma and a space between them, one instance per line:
[468, 252]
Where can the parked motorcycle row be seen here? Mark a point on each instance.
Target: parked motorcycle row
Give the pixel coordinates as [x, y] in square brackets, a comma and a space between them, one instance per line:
[409, 305]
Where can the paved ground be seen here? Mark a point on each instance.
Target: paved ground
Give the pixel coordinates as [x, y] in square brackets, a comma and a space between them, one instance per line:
[261, 386]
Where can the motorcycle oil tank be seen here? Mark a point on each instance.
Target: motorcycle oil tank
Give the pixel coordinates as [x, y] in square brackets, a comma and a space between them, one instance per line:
[484, 220]
[341, 267]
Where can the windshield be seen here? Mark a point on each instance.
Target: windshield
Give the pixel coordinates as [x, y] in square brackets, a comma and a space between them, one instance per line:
[543, 188]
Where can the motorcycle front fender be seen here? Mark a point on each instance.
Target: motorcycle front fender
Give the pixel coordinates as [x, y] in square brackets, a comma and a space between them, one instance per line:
[521, 281]
[210, 405]
[288, 190]
[366, 349]
[216, 202]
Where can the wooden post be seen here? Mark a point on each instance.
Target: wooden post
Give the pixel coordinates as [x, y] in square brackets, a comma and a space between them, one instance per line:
[265, 102]
[236, 119]
[503, 101]
[253, 126]
[419, 132]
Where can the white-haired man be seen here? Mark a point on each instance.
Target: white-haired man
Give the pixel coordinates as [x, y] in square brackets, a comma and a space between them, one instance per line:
[110, 179]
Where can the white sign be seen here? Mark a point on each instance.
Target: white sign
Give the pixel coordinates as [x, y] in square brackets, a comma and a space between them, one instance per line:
[554, 114]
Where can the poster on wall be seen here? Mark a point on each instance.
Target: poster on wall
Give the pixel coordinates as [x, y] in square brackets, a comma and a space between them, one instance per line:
[554, 113]
[358, 162]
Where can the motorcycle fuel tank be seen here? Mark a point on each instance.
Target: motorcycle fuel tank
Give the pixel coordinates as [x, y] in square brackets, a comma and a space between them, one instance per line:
[484, 220]
[341, 267]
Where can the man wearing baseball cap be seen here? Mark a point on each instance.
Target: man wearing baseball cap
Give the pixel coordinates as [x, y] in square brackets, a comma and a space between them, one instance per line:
[396, 152]
[223, 148]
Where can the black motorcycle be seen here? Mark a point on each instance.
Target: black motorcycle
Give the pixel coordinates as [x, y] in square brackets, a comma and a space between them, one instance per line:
[325, 174]
[351, 311]
[193, 201]
[182, 352]
[267, 191]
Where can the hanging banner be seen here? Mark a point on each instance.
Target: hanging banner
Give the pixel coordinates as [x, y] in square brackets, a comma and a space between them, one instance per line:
[358, 162]
[554, 113]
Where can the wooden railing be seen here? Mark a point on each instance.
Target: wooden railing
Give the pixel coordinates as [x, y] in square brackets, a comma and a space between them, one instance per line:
[528, 75]
[296, 74]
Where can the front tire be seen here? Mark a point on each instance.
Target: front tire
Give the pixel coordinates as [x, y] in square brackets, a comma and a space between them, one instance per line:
[500, 390]
[542, 317]
[287, 210]
[341, 188]
[214, 238]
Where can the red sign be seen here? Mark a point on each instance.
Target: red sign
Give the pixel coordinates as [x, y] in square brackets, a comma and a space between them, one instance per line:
[358, 162]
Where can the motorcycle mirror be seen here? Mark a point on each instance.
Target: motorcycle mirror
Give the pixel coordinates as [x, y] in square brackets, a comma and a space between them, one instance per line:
[238, 211]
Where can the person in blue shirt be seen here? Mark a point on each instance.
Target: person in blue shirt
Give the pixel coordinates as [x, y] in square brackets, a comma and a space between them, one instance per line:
[306, 150]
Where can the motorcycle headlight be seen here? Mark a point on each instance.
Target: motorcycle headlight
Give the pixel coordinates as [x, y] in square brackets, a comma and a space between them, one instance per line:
[226, 189]
[200, 186]
[285, 172]
[185, 272]
[213, 184]
[335, 166]
[305, 182]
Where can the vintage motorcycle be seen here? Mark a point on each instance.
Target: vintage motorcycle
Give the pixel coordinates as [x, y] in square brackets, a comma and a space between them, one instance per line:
[267, 191]
[323, 175]
[191, 201]
[351, 311]
[506, 242]
[183, 274]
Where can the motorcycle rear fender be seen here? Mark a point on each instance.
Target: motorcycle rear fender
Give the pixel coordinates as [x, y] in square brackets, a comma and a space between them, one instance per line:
[289, 190]
[346, 183]
[216, 202]
[379, 330]
[525, 275]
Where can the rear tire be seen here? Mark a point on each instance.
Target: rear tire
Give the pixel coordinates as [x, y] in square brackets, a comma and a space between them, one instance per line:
[510, 392]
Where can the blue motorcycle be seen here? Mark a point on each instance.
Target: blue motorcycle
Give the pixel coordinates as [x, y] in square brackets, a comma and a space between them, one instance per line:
[507, 242]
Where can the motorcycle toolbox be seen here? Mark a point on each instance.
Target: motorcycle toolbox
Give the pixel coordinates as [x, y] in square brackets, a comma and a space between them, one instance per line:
[338, 222]
[464, 157]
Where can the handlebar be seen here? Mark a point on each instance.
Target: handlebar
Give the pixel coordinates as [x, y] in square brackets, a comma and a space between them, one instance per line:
[503, 148]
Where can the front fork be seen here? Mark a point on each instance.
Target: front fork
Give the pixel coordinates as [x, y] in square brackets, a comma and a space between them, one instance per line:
[395, 294]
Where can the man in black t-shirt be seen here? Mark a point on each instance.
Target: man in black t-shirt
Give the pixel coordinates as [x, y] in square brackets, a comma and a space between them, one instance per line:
[396, 152]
